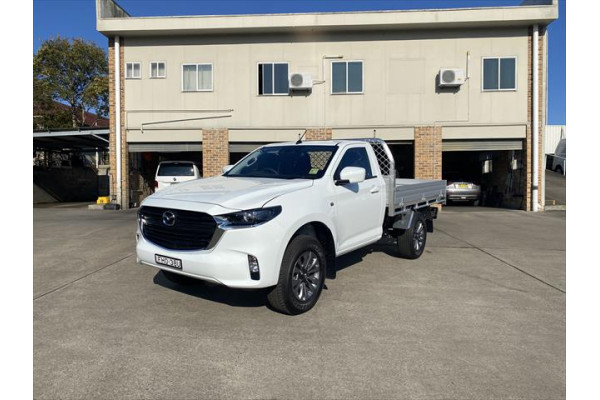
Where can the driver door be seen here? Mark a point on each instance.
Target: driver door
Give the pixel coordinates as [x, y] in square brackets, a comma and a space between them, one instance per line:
[358, 206]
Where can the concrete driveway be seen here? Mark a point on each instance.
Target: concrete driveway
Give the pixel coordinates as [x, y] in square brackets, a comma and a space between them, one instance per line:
[480, 315]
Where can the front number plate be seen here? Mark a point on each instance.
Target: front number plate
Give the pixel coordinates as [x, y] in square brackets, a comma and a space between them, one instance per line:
[168, 261]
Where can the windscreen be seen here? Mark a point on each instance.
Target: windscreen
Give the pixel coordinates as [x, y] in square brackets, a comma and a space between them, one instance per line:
[176, 169]
[285, 162]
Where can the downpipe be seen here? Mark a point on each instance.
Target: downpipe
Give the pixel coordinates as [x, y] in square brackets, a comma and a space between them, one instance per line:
[535, 121]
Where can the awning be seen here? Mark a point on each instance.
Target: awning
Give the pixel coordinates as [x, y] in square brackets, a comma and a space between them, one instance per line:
[482, 145]
[81, 140]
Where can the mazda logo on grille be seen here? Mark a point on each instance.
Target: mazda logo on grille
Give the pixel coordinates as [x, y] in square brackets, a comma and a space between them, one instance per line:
[168, 218]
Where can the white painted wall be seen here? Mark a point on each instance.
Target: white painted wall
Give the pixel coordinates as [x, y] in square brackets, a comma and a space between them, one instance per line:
[400, 90]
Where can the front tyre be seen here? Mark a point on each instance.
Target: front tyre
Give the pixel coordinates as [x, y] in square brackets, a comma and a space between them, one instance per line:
[411, 242]
[301, 276]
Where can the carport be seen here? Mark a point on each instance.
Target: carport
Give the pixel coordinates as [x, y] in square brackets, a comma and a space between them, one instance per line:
[67, 164]
[496, 165]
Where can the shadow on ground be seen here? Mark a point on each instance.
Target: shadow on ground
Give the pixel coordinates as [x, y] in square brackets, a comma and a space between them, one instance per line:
[258, 297]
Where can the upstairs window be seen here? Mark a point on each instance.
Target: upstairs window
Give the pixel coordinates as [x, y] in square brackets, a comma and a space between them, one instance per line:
[499, 73]
[273, 79]
[197, 77]
[158, 69]
[133, 70]
[346, 77]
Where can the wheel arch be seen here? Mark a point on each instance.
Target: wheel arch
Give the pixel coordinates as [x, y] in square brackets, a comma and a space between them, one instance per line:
[323, 234]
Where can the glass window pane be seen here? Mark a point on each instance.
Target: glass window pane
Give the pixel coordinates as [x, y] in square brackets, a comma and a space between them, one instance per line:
[355, 77]
[205, 77]
[129, 73]
[153, 70]
[189, 78]
[507, 73]
[490, 74]
[281, 79]
[267, 78]
[338, 77]
[356, 157]
[136, 70]
[161, 69]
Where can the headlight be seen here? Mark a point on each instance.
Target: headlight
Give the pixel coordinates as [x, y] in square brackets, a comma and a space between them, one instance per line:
[247, 218]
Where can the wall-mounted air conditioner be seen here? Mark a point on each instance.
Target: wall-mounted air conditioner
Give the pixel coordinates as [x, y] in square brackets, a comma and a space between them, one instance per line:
[299, 81]
[452, 77]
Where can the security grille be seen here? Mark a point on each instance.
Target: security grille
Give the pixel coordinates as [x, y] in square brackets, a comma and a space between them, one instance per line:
[384, 160]
[319, 159]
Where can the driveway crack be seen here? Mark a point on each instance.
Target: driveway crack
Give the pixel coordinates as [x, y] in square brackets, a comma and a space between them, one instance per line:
[80, 278]
[504, 262]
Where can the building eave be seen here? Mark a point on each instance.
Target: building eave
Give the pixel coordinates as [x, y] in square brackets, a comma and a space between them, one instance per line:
[332, 21]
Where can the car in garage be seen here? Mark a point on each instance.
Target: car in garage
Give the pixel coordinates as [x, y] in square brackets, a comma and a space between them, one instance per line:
[172, 172]
[463, 190]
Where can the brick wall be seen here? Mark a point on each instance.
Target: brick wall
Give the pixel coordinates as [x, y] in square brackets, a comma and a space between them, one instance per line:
[112, 126]
[528, 159]
[428, 152]
[318, 134]
[215, 151]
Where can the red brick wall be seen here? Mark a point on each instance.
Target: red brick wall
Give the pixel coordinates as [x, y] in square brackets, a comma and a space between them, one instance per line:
[318, 134]
[215, 151]
[528, 160]
[428, 152]
[112, 126]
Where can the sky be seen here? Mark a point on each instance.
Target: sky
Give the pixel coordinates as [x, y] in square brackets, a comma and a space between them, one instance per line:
[77, 19]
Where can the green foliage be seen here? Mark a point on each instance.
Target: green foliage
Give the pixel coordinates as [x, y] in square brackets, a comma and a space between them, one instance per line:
[73, 72]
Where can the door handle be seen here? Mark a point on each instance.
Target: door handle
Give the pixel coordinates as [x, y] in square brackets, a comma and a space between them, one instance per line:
[374, 190]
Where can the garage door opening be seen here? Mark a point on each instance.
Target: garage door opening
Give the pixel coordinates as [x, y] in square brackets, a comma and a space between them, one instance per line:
[142, 170]
[499, 174]
[404, 156]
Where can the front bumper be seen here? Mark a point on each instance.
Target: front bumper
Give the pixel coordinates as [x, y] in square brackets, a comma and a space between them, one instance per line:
[227, 262]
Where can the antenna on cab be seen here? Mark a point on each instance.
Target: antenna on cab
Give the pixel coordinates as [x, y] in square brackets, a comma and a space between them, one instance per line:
[301, 136]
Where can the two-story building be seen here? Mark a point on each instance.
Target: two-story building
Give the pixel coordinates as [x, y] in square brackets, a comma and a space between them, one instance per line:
[454, 92]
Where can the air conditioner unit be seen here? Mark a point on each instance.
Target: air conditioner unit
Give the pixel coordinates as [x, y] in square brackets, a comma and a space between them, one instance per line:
[452, 76]
[300, 81]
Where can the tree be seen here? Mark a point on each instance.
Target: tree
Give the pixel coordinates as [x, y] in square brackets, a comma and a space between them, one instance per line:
[73, 72]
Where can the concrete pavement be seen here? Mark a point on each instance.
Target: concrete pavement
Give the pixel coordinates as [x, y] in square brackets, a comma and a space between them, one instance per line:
[480, 315]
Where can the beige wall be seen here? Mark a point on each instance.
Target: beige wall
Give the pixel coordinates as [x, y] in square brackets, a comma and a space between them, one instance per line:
[400, 91]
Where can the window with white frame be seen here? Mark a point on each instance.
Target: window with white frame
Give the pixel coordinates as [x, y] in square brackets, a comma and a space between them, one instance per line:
[133, 70]
[197, 77]
[499, 73]
[273, 79]
[158, 69]
[346, 77]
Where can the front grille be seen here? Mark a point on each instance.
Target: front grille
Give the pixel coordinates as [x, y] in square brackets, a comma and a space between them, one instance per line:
[191, 230]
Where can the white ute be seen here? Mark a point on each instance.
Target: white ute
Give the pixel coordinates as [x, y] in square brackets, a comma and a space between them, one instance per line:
[281, 215]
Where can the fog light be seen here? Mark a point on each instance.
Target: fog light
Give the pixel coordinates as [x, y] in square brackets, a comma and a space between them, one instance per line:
[254, 268]
[137, 237]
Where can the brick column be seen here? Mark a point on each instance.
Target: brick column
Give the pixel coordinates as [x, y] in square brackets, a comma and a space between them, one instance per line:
[215, 151]
[112, 126]
[528, 148]
[428, 152]
[318, 134]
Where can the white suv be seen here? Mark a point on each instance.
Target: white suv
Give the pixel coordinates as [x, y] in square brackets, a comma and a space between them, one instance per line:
[172, 172]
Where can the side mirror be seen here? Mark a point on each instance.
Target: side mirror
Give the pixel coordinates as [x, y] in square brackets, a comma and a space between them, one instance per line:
[351, 175]
[227, 168]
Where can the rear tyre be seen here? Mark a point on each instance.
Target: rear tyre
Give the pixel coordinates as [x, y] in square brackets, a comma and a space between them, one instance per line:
[179, 279]
[559, 169]
[411, 242]
[301, 276]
